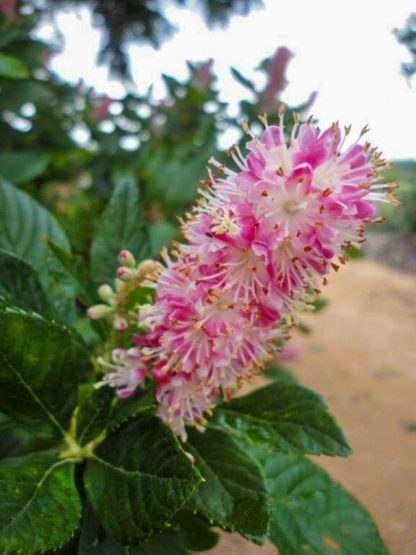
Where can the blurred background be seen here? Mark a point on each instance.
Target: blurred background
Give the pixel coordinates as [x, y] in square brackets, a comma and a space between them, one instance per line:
[92, 90]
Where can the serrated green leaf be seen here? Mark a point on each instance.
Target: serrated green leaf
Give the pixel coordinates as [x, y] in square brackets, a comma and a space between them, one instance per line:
[233, 493]
[38, 371]
[20, 284]
[283, 417]
[39, 504]
[24, 225]
[12, 67]
[123, 409]
[138, 478]
[120, 227]
[313, 514]
[21, 167]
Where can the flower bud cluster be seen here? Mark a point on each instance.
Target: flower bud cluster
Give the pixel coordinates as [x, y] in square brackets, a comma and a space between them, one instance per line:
[130, 276]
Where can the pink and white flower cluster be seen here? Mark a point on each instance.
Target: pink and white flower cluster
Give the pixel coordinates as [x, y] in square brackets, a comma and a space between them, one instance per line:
[260, 239]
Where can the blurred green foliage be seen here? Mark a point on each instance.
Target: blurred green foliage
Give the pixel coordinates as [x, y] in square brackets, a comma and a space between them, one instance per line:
[66, 146]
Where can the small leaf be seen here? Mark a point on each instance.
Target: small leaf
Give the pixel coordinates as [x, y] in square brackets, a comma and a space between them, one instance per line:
[24, 225]
[20, 284]
[39, 504]
[120, 227]
[138, 478]
[283, 417]
[313, 514]
[38, 371]
[233, 493]
[12, 67]
[21, 167]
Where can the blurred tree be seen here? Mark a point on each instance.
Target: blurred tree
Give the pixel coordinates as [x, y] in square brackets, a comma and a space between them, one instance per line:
[145, 21]
[407, 36]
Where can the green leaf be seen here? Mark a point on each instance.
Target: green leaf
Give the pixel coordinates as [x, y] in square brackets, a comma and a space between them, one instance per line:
[233, 493]
[12, 67]
[39, 504]
[120, 227]
[38, 371]
[24, 225]
[20, 284]
[21, 167]
[196, 532]
[283, 417]
[312, 514]
[123, 409]
[138, 478]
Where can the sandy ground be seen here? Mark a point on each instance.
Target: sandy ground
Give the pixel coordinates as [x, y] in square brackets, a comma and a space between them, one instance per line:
[361, 357]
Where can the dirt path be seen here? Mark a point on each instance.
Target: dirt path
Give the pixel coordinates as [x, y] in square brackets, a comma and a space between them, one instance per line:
[361, 356]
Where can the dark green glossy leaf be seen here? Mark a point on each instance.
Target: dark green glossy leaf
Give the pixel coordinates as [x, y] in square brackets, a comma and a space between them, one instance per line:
[21, 167]
[138, 478]
[283, 417]
[20, 284]
[12, 67]
[38, 371]
[39, 504]
[313, 514]
[25, 224]
[120, 227]
[233, 494]
[123, 409]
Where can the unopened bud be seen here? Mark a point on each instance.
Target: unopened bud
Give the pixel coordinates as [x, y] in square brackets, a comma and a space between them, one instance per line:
[125, 274]
[126, 258]
[105, 292]
[120, 324]
[99, 311]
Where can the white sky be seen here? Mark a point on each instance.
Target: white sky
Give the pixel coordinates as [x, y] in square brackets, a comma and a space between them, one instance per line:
[343, 49]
